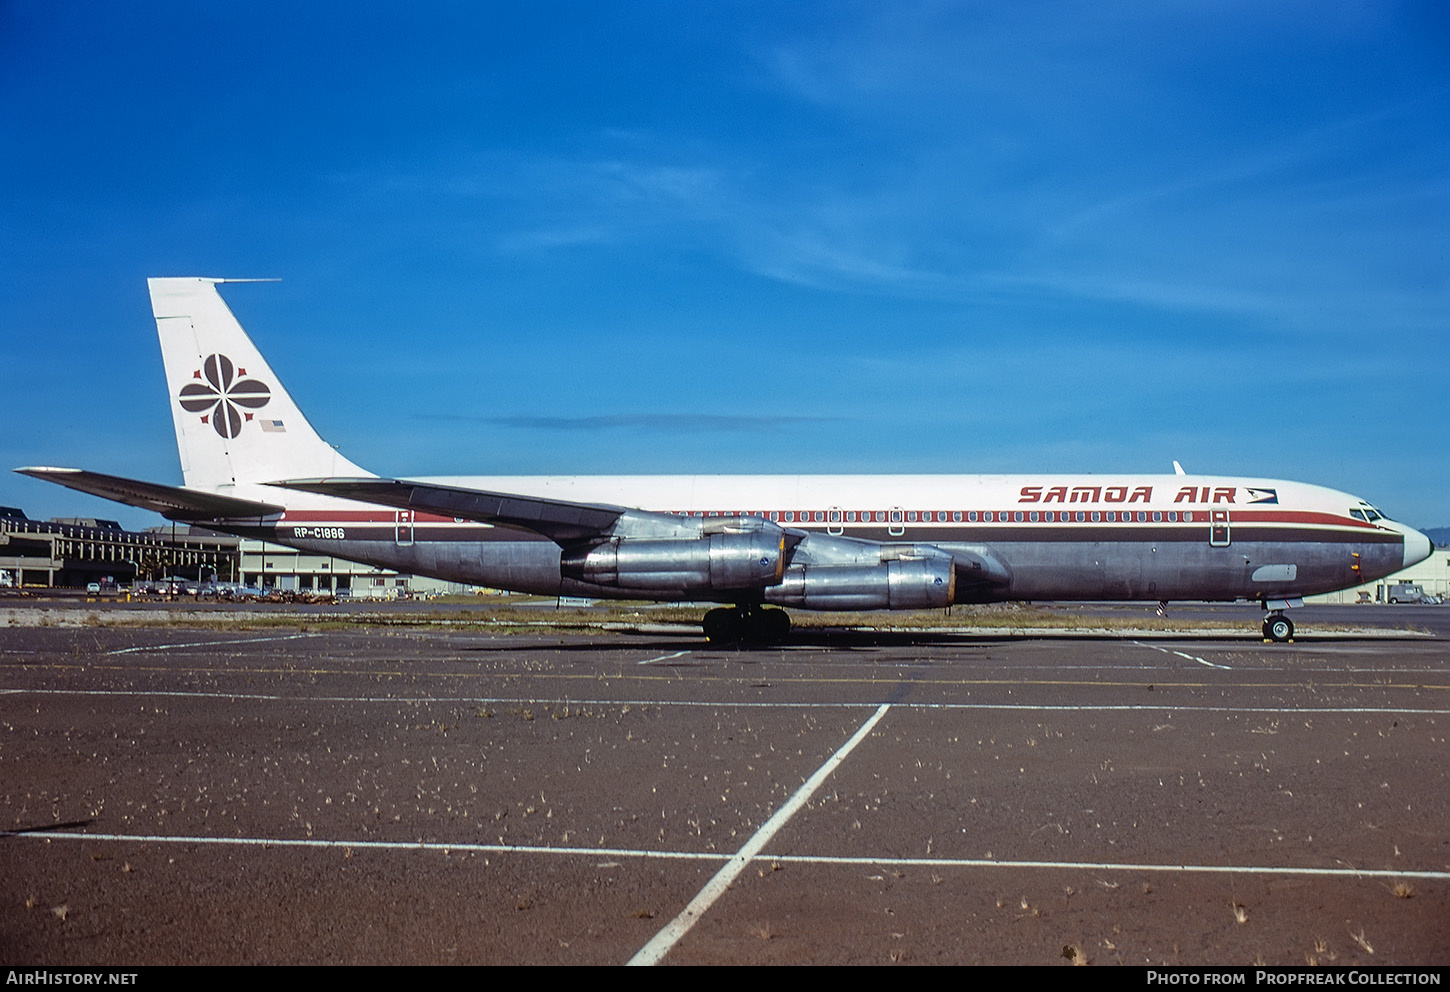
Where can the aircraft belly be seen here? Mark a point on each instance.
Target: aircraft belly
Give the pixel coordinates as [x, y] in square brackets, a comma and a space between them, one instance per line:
[1182, 570]
[530, 566]
[1039, 570]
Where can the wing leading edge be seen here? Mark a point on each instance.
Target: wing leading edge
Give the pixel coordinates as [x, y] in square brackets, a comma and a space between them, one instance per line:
[172, 502]
[559, 520]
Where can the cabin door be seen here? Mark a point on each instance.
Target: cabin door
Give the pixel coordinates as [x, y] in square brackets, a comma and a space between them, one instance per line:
[1218, 532]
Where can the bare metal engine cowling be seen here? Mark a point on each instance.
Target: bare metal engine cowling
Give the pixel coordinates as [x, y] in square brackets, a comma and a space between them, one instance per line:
[903, 584]
[713, 562]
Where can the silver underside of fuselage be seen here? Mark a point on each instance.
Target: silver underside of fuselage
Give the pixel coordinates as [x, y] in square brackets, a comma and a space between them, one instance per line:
[1167, 569]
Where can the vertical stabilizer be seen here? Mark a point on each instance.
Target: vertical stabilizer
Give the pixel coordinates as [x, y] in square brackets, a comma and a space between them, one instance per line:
[235, 423]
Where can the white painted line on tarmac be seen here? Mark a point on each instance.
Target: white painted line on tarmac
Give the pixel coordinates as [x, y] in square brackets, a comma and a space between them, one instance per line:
[664, 657]
[445, 847]
[739, 704]
[657, 948]
[1115, 866]
[1210, 664]
[1180, 654]
[364, 845]
[209, 644]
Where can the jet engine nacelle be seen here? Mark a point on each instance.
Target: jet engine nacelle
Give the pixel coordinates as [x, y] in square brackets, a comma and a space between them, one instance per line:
[713, 562]
[903, 584]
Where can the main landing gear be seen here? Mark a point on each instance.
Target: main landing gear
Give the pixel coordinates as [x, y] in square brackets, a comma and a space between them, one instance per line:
[746, 625]
[1278, 628]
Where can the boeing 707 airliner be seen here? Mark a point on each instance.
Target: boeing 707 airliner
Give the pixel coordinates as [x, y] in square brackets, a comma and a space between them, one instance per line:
[253, 466]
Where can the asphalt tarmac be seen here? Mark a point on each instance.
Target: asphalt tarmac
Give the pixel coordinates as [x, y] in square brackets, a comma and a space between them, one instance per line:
[300, 794]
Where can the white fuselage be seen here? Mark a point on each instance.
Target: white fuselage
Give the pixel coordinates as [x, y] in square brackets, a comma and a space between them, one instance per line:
[1055, 537]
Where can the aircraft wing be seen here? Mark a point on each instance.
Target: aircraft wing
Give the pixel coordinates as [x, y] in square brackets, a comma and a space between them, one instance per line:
[559, 520]
[172, 502]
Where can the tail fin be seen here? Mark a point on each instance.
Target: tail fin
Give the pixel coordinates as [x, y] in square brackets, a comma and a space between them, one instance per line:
[235, 423]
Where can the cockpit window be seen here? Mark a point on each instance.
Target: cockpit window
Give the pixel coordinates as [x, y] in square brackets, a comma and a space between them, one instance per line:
[1370, 513]
[1359, 515]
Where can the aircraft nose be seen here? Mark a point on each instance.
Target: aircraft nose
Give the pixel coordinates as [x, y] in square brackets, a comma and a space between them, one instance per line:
[1417, 546]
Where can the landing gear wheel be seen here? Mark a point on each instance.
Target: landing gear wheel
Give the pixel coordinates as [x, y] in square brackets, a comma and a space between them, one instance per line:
[1278, 628]
[723, 626]
[769, 626]
[756, 626]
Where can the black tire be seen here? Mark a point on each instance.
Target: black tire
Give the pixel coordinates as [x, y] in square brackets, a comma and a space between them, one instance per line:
[769, 626]
[722, 626]
[1279, 629]
[734, 626]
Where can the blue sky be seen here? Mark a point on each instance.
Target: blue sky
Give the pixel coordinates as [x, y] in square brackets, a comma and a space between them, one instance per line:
[660, 237]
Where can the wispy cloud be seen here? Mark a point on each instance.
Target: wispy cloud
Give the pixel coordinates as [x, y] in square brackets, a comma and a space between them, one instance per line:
[685, 423]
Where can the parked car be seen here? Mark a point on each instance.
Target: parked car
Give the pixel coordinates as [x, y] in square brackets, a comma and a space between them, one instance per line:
[1410, 592]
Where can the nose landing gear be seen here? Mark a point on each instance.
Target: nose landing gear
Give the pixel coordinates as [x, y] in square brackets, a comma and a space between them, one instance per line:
[1278, 628]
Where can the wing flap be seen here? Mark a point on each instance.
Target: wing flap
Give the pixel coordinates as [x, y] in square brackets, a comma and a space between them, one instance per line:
[558, 520]
[172, 502]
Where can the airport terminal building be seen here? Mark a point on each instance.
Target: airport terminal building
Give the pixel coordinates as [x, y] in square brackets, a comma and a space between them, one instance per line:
[72, 552]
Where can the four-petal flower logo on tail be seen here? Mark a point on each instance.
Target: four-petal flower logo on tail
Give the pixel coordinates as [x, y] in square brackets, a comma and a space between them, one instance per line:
[226, 388]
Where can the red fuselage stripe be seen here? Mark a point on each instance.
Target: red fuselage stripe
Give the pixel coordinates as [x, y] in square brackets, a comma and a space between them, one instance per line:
[861, 518]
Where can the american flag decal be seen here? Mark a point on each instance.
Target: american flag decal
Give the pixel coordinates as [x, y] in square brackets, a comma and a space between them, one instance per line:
[272, 426]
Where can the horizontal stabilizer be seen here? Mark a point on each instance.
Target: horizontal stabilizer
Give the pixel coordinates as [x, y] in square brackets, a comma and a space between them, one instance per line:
[558, 520]
[172, 502]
